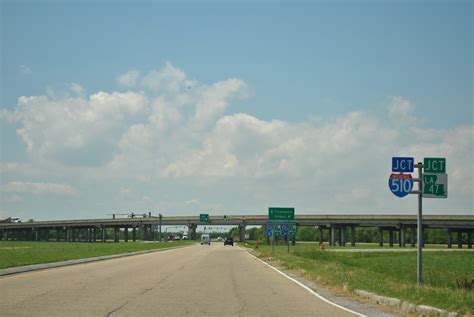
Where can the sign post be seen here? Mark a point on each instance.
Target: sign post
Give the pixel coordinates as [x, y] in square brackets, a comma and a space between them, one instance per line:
[279, 213]
[432, 183]
[273, 236]
[419, 278]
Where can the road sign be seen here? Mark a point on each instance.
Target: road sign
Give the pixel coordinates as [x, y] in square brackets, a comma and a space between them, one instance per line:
[277, 213]
[269, 232]
[400, 184]
[269, 228]
[403, 164]
[435, 185]
[435, 165]
[292, 228]
[277, 229]
[284, 229]
[204, 218]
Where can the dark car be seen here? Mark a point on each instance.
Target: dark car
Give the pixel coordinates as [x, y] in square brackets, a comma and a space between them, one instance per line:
[229, 241]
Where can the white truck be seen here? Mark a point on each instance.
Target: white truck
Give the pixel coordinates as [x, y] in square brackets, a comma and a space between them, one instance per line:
[205, 239]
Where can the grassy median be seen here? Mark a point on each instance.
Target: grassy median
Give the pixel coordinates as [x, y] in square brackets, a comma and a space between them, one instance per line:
[393, 274]
[20, 253]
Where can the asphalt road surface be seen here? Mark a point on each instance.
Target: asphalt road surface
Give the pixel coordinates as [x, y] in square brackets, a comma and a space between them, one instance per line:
[193, 281]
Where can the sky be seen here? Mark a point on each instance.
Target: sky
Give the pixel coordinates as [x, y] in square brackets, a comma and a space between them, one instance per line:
[183, 108]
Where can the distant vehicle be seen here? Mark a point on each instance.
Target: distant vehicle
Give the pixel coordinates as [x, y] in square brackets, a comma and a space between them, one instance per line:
[185, 236]
[219, 238]
[176, 238]
[205, 239]
[229, 241]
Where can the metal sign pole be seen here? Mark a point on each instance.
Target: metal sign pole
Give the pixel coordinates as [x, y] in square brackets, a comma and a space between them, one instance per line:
[420, 226]
[273, 236]
[288, 235]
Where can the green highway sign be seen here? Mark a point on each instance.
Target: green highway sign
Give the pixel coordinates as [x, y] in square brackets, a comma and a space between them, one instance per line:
[278, 213]
[435, 165]
[292, 228]
[435, 185]
[204, 218]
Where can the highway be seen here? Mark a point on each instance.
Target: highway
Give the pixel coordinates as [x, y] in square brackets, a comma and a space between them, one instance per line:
[192, 281]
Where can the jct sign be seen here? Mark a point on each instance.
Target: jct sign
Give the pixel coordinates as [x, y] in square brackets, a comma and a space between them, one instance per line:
[434, 165]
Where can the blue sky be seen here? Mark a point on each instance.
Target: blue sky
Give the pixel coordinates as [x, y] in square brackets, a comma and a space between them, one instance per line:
[395, 76]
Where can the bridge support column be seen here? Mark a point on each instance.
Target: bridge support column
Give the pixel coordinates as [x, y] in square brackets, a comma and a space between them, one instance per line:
[380, 234]
[412, 237]
[116, 234]
[74, 234]
[403, 232]
[18, 235]
[320, 234]
[144, 233]
[37, 235]
[134, 234]
[353, 236]
[459, 239]
[192, 231]
[94, 234]
[448, 232]
[104, 234]
[469, 239]
[58, 234]
[242, 232]
[126, 234]
[390, 237]
[151, 233]
[342, 238]
[332, 241]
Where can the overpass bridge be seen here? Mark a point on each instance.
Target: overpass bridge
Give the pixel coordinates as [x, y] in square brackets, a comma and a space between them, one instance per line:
[402, 226]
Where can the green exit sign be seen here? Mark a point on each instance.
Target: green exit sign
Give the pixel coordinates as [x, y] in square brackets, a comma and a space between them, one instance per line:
[204, 218]
[278, 213]
[435, 165]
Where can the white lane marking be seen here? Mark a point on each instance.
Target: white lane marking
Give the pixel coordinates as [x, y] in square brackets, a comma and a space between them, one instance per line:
[307, 288]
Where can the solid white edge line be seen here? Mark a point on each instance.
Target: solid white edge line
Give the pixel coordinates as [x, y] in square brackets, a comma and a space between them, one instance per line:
[307, 288]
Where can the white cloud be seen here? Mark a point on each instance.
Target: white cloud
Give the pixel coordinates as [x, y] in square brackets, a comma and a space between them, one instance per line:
[67, 129]
[25, 70]
[38, 188]
[215, 99]
[129, 79]
[400, 111]
[169, 78]
[77, 89]
[171, 138]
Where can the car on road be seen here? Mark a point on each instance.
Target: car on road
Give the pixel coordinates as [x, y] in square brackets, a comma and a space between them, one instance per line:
[229, 241]
[205, 239]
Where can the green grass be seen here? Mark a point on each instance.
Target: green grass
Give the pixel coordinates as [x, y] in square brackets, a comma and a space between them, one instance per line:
[391, 274]
[20, 253]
